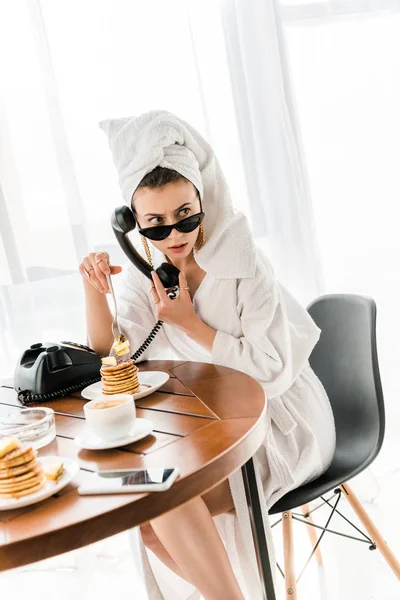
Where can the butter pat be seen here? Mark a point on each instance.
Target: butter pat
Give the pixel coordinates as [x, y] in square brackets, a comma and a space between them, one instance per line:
[109, 360]
[8, 444]
[121, 348]
[54, 471]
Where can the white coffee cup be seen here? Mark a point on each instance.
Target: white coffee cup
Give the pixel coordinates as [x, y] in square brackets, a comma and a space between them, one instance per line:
[111, 417]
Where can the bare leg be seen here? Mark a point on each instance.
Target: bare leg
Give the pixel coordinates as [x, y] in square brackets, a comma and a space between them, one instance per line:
[190, 537]
[218, 501]
[152, 542]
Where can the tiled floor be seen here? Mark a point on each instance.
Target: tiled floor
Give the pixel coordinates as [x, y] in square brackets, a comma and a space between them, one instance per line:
[350, 572]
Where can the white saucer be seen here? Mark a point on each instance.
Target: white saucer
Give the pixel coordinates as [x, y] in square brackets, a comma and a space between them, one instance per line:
[88, 440]
[155, 379]
[71, 468]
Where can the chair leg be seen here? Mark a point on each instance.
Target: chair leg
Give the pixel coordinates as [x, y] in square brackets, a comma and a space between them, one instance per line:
[371, 529]
[288, 553]
[305, 509]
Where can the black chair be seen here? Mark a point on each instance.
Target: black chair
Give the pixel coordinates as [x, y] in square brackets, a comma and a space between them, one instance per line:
[345, 360]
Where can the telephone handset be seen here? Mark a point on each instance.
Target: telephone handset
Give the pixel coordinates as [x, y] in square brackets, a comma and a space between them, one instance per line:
[123, 221]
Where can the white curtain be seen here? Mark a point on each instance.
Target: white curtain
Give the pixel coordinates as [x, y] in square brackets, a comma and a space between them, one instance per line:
[270, 141]
[70, 64]
[345, 62]
[316, 91]
[300, 100]
[64, 66]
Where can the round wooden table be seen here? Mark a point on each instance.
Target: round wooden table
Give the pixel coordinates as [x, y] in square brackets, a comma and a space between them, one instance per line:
[208, 421]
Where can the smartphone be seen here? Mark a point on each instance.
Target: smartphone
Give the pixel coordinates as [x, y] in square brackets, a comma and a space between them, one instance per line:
[125, 481]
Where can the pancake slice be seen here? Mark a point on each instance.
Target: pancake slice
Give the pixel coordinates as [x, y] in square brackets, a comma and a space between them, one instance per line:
[26, 492]
[17, 457]
[7, 444]
[13, 471]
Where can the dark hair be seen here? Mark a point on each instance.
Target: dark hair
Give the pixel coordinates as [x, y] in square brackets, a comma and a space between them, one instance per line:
[159, 177]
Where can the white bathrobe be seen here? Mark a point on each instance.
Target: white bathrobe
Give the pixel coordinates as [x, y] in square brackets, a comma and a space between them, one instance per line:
[261, 330]
[264, 332]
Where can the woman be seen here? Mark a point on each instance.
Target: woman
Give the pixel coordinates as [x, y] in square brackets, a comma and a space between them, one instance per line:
[230, 311]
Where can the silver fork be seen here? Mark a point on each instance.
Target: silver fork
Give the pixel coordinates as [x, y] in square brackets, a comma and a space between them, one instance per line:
[115, 325]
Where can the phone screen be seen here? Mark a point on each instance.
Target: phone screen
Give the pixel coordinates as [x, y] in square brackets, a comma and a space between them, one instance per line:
[120, 479]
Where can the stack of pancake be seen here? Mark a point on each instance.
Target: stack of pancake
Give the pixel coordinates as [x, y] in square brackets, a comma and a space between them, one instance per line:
[20, 473]
[121, 378]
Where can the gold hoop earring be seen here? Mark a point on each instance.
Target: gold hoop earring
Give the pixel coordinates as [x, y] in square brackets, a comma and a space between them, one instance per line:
[200, 238]
[147, 250]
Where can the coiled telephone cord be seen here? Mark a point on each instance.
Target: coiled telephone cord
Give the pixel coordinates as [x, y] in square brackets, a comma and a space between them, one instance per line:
[26, 397]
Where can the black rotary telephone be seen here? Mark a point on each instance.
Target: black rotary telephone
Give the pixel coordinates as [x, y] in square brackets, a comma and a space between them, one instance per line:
[48, 371]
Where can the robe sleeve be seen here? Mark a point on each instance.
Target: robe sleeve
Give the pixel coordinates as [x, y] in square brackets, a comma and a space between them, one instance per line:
[278, 334]
[135, 315]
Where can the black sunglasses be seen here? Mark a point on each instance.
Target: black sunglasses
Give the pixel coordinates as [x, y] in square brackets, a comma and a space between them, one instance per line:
[161, 232]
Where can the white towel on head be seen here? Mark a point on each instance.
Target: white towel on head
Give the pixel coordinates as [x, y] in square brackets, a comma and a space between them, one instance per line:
[160, 138]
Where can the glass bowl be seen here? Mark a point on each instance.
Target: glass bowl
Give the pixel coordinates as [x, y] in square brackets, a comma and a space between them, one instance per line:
[34, 426]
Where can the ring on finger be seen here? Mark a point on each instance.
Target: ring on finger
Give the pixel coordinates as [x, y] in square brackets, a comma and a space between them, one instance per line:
[183, 288]
[104, 257]
[98, 260]
[87, 271]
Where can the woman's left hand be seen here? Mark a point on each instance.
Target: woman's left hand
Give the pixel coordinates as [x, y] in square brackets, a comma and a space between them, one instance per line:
[179, 311]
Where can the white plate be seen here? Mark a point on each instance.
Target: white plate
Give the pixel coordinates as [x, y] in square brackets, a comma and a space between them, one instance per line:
[88, 440]
[71, 468]
[153, 378]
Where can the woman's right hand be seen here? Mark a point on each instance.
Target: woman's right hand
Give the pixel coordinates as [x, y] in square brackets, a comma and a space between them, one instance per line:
[94, 268]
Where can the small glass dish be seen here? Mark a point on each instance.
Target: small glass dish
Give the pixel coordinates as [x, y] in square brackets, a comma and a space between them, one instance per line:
[34, 426]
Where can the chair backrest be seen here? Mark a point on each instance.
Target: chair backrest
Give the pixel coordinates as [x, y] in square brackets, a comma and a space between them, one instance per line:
[345, 360]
